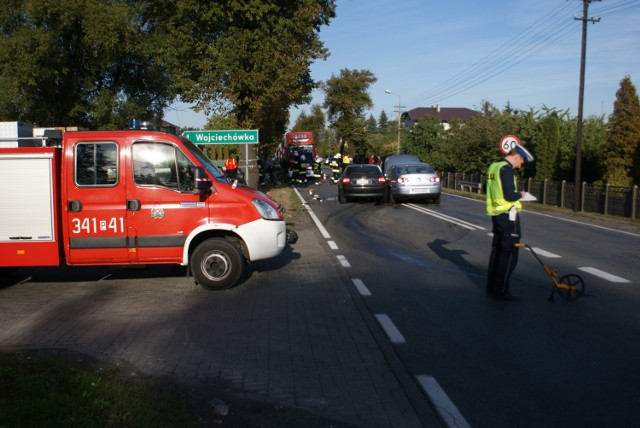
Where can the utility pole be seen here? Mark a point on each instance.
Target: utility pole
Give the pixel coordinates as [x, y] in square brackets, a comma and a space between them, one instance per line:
[399, 110]
[585, 20]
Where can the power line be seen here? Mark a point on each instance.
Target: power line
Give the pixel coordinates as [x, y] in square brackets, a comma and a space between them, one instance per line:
[547, 31]
[494, 57]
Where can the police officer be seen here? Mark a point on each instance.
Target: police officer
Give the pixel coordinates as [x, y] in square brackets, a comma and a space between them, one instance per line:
[503, 205]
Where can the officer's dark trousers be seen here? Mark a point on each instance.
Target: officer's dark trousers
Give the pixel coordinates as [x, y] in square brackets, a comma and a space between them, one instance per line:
[504, 254]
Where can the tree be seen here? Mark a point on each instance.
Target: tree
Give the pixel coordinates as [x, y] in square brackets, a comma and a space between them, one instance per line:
[594, 134]
[86, 63]
[383, 122]
[429, 141]
[622, 149]
[248, 58]
[547, 145]
[372, 125]
[475, 145]
[346, 99]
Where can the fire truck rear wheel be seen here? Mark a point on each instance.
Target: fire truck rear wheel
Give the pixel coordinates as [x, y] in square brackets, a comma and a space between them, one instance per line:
[217, 264]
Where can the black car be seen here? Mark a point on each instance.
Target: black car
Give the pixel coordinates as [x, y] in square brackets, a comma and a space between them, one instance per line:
[361, 181]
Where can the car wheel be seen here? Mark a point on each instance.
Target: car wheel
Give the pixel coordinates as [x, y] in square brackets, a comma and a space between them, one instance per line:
[341, 198]
[436, 200]
[217, 264]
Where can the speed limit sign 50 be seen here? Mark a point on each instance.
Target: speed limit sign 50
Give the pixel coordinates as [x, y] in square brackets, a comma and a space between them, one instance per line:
[508, 143]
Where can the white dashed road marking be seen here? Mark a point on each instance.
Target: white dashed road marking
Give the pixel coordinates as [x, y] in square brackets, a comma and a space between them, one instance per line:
[362, 289]
[343, 261]
[390, 328]
[546, 254]
[603, 275]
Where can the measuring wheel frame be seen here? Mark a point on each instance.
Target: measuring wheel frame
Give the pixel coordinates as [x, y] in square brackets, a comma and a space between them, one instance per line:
[570, 286]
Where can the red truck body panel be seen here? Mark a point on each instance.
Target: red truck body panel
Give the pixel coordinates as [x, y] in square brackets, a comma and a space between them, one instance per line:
[124, 197]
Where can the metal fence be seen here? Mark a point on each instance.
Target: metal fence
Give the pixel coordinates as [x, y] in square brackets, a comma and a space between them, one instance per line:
[602, 199]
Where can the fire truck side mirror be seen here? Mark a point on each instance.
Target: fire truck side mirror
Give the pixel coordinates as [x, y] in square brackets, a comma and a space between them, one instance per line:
[202, 182]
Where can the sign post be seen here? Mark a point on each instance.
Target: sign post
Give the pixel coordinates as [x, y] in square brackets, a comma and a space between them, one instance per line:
[235, 136]
[245, 136]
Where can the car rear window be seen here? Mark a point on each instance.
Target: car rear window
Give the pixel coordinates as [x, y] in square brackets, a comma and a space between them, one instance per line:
[364, 169]
[419, 169]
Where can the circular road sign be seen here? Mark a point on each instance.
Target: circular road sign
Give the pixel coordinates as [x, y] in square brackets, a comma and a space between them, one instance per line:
[508, 143]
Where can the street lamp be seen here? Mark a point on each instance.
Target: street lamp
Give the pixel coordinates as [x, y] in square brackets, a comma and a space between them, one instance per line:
[400, 106]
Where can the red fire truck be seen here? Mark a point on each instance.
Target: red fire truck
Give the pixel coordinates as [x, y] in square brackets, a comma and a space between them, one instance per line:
[132, 197]
[299, 143]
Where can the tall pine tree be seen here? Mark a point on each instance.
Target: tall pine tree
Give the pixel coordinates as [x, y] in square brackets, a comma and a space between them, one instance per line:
[622, 148]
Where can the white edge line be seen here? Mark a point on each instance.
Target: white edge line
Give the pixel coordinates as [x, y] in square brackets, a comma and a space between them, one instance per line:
[447, 411]
[315, 219]
[362, 289]
[390, 329]
[332, 245]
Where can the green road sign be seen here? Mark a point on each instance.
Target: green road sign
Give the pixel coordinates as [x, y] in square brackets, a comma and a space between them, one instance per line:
[245, 136]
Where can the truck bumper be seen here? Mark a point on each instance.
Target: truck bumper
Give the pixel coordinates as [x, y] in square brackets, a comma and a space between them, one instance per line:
[292, 237]
[264, 238]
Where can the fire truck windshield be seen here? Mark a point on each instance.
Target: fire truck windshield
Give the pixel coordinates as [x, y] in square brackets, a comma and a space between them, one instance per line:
[206, 162]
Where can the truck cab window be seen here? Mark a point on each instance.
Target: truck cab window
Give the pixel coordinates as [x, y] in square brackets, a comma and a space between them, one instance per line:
[96, 164]
[186, 173]
[162, 165]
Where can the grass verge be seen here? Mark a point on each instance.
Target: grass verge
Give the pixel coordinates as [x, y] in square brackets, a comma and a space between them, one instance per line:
[39, 392]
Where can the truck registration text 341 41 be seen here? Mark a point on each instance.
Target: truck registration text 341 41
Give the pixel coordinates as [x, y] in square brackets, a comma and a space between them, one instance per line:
[93, 225]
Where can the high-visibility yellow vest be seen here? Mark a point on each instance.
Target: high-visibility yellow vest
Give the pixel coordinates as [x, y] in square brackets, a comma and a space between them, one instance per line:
[496, 203]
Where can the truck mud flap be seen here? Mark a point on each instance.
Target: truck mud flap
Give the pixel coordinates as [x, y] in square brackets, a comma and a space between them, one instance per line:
[292, 237]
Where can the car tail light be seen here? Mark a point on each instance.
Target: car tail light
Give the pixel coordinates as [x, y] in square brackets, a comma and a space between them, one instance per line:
[381, 180]
[403, 180]
[346, 180]
[435, 179]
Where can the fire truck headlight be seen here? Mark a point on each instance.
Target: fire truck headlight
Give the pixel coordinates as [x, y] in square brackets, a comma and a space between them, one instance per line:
[267, 211]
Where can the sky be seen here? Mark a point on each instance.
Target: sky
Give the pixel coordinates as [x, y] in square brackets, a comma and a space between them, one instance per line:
[462, 53]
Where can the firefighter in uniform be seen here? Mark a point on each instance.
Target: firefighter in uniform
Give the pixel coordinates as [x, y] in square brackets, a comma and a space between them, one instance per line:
[345, 161]
[317, 171]
[231, 168]
[294, 167]
[503, 205]
[302, 171]
[335, 169]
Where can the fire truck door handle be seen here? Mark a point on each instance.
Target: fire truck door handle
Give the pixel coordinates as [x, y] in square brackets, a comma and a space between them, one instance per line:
[74, 206]
[133, 205]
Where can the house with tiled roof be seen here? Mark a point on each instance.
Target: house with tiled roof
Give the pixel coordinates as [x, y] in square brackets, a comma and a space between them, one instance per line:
[444, 114]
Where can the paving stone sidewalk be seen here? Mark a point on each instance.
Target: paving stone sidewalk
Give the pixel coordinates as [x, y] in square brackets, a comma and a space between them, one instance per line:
[294, 332]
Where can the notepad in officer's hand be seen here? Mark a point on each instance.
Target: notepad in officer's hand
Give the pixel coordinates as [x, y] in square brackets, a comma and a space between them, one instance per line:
[528, 197]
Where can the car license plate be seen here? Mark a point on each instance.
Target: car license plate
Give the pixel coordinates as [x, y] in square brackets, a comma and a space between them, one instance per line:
[363, 181]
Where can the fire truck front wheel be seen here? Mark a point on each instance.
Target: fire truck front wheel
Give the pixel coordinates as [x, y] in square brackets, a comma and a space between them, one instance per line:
[217, 264]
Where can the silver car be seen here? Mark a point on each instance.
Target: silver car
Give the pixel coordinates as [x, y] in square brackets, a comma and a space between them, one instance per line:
[412, 181]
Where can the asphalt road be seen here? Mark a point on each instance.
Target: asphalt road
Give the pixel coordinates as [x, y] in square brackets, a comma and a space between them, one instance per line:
[421, 268]
[377, 307]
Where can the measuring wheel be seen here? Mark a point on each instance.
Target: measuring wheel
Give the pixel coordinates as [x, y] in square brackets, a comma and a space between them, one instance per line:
[573, 286]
